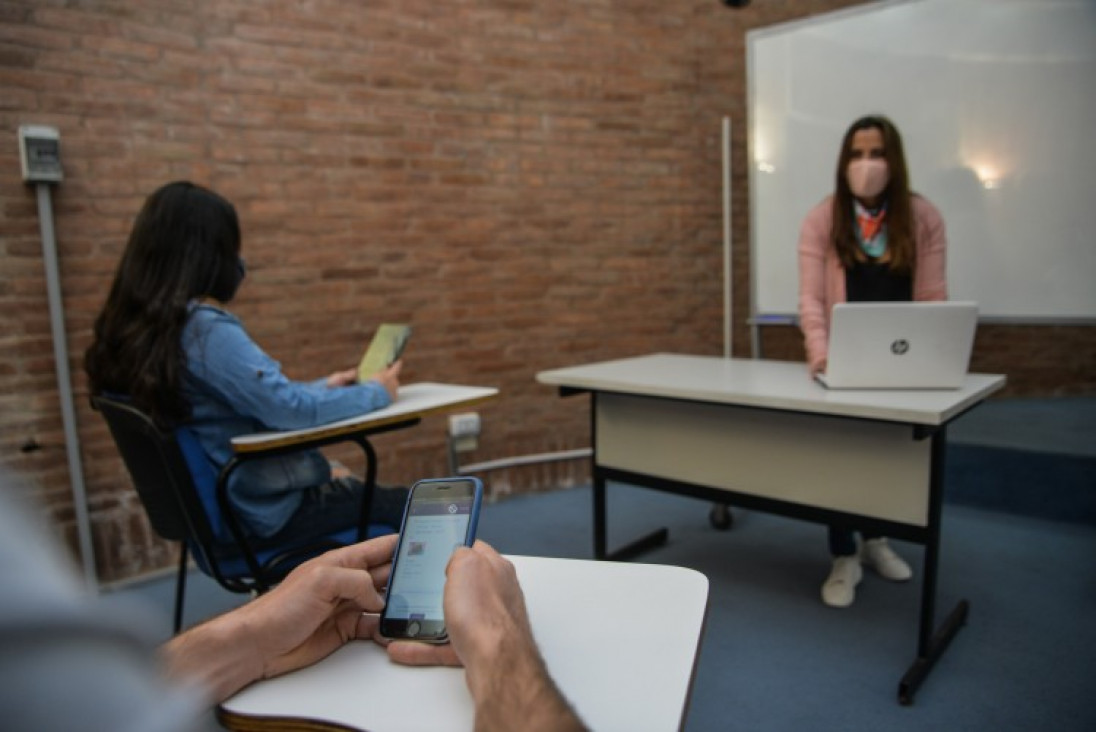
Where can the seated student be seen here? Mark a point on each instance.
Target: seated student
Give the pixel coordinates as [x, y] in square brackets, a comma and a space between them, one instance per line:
[872, 240]
[67, 663]
[165, 340]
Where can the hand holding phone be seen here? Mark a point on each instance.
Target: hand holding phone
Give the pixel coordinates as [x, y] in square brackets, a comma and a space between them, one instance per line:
[441, 515]
[384, 350]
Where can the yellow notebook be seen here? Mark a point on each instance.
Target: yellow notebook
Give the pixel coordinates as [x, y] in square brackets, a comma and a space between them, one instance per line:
[384, 349]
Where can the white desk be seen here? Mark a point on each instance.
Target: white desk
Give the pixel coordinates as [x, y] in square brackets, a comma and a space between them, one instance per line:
[624, 662]
[761, 434]
[413, 402]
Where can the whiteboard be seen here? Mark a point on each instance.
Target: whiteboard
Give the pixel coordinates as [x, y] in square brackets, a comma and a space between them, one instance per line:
[996, 103]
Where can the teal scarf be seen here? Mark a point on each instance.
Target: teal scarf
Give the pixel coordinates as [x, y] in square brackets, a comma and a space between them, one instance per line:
[871, 229]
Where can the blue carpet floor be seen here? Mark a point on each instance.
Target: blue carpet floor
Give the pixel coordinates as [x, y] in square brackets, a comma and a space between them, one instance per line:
[1033, 457]
[775, 658]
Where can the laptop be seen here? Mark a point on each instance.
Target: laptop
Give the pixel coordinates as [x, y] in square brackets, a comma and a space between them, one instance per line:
[900, 345]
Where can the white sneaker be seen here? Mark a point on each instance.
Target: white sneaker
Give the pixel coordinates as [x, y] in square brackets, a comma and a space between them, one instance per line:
[878, 555]
[839, 589]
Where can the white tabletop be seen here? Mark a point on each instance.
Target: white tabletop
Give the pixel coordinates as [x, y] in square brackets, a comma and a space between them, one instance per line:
[413, 400]
[619, 639]
[769, 384]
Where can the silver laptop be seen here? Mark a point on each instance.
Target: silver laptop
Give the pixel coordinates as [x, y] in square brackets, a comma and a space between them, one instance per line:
[900, 345]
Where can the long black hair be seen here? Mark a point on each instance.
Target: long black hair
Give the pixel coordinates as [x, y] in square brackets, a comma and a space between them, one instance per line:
[900, 234]
[185, 244]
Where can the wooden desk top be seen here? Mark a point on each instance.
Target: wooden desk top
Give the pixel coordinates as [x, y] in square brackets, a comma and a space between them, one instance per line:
[783, 385]
[415, 401]
[620, 640]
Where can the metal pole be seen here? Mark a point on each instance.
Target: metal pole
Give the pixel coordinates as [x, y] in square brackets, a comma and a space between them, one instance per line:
[64, 385]
[728, 270]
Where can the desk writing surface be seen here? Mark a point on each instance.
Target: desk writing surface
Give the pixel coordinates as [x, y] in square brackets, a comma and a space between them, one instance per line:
[414, 400]
[620, 640]
[769, 384]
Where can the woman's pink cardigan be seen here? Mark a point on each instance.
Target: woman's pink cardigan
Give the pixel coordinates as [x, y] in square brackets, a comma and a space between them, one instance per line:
[822, 278]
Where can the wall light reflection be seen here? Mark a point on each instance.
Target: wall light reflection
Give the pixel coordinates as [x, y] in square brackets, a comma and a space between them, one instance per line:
[989, 177]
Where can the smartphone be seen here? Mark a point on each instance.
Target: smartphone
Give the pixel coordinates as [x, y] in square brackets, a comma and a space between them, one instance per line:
[384, 350]
[440, 516]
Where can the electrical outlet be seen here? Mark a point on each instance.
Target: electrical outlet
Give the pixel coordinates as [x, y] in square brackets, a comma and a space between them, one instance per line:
[464, 425]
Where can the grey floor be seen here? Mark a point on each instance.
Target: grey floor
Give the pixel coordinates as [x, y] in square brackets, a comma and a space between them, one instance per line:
[774, 658]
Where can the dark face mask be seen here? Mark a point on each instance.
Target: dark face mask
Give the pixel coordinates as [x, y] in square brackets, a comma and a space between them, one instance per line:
[229, 288]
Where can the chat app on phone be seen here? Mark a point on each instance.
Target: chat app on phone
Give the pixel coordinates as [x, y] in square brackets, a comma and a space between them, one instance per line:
[435, 528]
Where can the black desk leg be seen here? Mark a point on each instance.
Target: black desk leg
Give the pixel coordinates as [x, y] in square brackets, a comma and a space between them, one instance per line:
[370, 485]
[628, 551]
[931, 643]
[937, 644]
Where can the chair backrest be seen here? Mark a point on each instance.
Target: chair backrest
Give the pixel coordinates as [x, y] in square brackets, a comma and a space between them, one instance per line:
[203, 476]
[160, 473]
[177, 485]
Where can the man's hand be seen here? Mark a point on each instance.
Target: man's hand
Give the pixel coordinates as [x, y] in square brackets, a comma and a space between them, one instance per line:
[489, 633]
[318, 608]
[484, 608]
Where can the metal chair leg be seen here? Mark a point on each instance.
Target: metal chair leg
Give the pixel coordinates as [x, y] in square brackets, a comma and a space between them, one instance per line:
[720, 516]
[180, 587]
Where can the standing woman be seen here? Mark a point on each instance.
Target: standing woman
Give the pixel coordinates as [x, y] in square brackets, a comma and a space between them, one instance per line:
[165, 341]
[872, 240]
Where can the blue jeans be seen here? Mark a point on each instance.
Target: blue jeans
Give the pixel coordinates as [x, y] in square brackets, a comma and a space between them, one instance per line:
[325, 509]
[336, 505]
[843, 541]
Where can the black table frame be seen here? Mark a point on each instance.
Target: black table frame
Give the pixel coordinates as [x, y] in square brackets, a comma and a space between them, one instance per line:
[932, 641]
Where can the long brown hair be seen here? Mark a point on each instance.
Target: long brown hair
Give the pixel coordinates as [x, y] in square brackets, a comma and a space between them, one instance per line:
[900, 235]
[185, 244]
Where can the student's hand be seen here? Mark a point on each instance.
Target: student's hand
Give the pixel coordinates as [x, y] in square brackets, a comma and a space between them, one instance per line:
[389, 378]
[339, 470]
[342, 378]
[818, 367]
[489, 633]
[484, 612]
[319, 607]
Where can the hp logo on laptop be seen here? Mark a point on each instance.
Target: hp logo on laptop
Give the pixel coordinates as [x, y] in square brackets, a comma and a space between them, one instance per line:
[900, 346]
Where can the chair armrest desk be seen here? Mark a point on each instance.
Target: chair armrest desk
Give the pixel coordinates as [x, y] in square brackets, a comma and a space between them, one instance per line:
[623, 662]
[414, 402]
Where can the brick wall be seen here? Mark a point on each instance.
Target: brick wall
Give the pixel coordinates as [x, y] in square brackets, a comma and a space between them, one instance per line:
[529, 184]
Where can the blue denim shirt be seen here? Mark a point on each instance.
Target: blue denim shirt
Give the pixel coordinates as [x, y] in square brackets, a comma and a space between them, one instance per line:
[234, 388]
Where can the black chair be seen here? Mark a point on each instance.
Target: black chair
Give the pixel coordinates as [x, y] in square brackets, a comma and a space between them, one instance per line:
[186, 500]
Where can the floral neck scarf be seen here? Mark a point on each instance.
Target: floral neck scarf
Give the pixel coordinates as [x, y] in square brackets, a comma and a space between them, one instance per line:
[871, 230]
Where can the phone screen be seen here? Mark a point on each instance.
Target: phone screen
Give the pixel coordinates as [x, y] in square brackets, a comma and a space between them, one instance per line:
[441, 515]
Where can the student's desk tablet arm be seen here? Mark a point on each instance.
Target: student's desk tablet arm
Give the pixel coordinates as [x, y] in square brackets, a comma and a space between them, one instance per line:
[613, 654]
[414, 402]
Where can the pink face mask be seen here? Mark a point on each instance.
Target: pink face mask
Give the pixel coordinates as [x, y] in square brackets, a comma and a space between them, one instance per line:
[868, 177]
